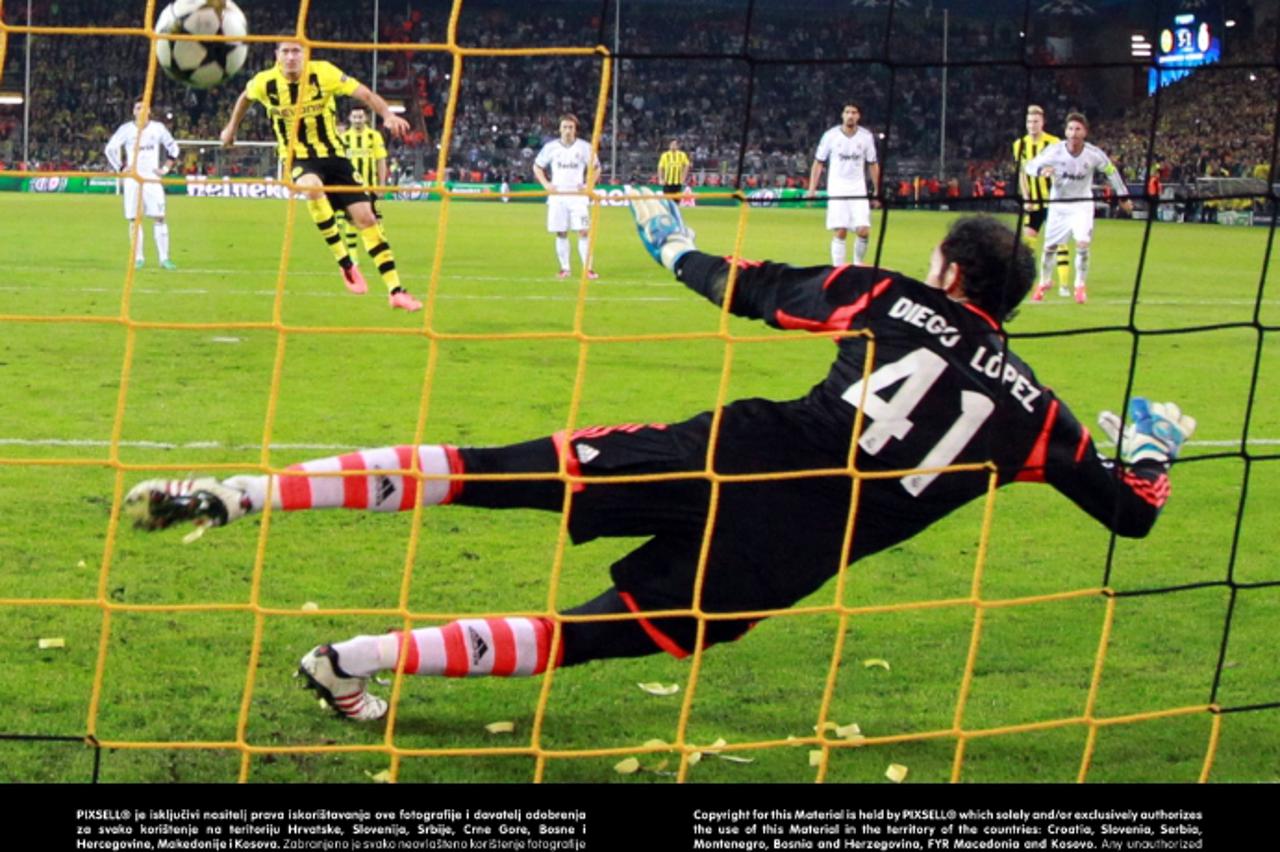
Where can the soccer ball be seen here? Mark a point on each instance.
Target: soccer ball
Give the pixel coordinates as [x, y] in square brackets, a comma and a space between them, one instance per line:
[201, 64]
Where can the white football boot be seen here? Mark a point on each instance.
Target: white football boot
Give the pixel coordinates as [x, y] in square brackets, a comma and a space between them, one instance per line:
[345, 694]
[159, 503]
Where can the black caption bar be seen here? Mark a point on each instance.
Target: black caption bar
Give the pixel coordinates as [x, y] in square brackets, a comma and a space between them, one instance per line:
[603, 818]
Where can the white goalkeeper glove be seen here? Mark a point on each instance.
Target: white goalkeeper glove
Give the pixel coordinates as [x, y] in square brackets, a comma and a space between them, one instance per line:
[663, 232]
[1154, 432]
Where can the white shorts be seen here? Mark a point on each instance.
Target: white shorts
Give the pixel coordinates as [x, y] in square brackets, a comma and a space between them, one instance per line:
[568, 213]
[1069, 220]
[851, 213]
[152, 199]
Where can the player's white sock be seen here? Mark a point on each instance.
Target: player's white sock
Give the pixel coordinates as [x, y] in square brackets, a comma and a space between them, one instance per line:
[365, 656]
[1048, 258]
[161, 232]
[562, 251]
[137, 252]
[1082, 264]
[472, 647]
[377, 492]
[838, 248]
[583, 245]
[860, 249]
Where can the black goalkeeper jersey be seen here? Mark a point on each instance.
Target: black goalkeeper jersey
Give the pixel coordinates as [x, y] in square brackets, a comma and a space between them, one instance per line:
[942, 389]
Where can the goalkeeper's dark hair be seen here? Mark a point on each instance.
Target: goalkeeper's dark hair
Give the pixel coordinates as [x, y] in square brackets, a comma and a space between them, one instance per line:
[996, 268]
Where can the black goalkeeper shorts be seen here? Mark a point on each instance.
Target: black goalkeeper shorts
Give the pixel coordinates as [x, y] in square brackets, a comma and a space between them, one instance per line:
[636, 637]
[772, 541]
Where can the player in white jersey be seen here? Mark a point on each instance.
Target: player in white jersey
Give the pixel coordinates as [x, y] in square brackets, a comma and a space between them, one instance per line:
[1070, 165]
[573, 169]
[142, 146]
[849, 152]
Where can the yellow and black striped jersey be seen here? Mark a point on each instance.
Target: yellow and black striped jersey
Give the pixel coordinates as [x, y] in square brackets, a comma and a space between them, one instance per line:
[311, 99]
[1026, 149]
[671, 166]
[364, 149]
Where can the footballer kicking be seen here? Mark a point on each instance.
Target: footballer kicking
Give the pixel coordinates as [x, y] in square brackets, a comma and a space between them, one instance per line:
[943, 389]
[298, 96]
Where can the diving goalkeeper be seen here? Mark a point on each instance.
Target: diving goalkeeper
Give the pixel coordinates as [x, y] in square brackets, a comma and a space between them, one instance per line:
[943, 389]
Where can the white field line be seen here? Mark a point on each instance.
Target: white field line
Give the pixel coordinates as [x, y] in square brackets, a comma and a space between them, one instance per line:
[593, 295]
[549, 281]
[162, 445]
[218, 445]
[295, 294]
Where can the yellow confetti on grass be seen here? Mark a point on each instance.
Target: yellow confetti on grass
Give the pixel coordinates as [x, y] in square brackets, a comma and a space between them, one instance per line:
[815, 757]
[655, 688]
[876, 664]
[714, 750]
[849, 731]
[632, 765]
[52, 642]
[500, 727]
[310, 606]
[383, 777]
[896, 773]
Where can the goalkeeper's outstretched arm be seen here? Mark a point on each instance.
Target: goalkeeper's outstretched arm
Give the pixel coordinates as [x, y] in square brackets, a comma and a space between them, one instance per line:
[1126, 497]
[806, 296]
[762, 290]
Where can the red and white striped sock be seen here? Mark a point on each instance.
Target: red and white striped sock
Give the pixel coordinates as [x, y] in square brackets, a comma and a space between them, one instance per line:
[472, 647]
[376, 492]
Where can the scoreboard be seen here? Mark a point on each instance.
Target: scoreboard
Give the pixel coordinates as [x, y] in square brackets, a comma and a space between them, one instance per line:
[1189, 42]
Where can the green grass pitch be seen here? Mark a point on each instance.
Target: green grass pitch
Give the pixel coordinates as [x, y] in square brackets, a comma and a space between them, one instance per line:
[201, 396]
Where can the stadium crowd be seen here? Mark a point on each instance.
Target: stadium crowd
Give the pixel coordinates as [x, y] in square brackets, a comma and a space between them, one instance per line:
[1218, 122]
[734, 116]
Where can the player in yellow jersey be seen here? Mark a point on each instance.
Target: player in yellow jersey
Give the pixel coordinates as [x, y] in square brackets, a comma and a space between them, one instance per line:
[673, 168]
[1035, 191]
[368, 155]
[298, 95]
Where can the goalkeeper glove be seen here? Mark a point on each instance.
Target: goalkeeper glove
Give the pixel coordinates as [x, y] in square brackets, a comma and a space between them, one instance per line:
[1155, 431]
[661, 229]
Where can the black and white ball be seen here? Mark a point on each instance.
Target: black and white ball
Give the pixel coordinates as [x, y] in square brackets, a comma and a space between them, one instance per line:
[201, 64]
